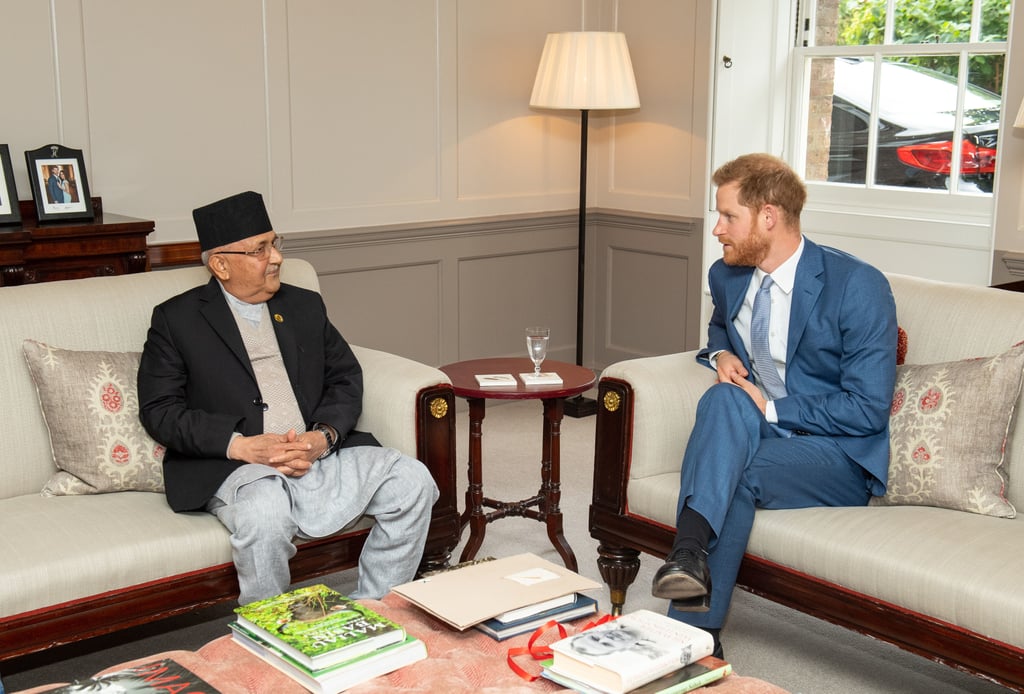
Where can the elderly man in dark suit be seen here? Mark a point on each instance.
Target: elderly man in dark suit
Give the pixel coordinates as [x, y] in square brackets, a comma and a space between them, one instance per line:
[803, 339]
[256, 395]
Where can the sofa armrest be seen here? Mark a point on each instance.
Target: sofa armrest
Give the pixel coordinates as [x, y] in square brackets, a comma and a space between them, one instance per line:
[411, 406]
[660, 396]
[391, 386]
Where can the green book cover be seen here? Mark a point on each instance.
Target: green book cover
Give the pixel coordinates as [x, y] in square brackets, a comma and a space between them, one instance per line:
[318, 626]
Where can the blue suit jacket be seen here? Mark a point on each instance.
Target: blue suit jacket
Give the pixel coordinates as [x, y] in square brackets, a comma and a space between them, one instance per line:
[840, 355]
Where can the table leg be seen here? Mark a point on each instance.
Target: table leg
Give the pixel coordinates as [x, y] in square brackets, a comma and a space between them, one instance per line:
[550, 480]
[474, 513]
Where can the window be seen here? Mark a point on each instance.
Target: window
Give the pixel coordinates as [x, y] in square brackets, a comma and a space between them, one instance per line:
[902, 94]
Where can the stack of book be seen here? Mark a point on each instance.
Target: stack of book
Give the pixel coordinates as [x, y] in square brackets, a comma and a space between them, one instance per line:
[523, 620]
[640, 652]
[482, 590]
[324, 640]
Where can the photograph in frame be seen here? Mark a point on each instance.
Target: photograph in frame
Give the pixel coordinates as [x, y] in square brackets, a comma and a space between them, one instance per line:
[9, 210]
[59, 183]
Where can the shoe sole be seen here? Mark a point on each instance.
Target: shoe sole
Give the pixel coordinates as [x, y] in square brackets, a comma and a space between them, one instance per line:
[678, 587]
[698, 604]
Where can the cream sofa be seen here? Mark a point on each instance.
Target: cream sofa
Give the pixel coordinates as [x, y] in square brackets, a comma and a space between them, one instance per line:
[945, 584]
[72, 567]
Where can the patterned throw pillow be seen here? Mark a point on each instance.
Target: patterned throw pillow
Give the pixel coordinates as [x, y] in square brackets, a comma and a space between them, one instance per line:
[91, 409]
[947, 433]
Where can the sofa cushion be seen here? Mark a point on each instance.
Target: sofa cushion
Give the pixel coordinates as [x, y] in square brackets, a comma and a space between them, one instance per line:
[948, 429]
[90, 405]
[962, 568]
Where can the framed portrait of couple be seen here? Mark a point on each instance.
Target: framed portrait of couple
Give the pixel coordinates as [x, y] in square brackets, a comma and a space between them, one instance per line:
[9, 211]
[59, 183]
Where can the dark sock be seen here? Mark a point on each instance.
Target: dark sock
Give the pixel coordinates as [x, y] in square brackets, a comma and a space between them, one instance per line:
[692, 532]
[716, 649]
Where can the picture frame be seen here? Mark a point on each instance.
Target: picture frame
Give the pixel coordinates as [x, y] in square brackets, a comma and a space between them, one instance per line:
[10, 210]
[60, 186]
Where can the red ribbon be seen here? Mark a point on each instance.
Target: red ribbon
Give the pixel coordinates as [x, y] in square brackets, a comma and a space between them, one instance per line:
[543, 652]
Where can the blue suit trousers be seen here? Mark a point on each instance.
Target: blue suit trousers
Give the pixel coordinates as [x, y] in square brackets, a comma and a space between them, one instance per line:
[736, 461]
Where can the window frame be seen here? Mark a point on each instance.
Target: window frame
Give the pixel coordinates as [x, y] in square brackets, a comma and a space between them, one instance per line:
[947, 205]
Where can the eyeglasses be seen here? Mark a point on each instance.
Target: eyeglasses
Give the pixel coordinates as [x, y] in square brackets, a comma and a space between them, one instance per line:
[261, 252]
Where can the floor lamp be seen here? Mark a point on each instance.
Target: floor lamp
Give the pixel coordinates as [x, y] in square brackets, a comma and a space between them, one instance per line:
[584, 70]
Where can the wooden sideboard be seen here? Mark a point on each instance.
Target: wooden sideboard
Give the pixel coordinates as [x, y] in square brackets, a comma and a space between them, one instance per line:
[109, 244]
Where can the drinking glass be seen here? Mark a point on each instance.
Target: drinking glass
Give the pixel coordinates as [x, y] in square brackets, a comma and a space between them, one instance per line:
[537, 346]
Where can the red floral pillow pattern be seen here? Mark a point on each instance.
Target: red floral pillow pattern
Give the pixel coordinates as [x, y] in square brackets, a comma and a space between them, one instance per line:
[947, 433]
[90, 404]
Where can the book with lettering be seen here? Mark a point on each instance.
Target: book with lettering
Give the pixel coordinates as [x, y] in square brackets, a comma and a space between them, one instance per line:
[164, 675]
[685, 679]
[628, 652]
[318, 626]
[340, 676]
[580, 606]
[471, 594]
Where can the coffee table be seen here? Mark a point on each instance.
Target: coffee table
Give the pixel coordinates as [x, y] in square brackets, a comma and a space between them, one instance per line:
[458, 662]
[543, 506]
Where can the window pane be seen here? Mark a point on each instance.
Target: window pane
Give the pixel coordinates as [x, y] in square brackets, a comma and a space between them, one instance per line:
[936, 21]
[917, 118]
[995, 19]
[859, 22]
[981, 122]
[917, 107]
[838, 120]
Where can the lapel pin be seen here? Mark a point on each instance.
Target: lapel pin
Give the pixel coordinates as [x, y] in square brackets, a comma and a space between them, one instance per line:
[279, 318]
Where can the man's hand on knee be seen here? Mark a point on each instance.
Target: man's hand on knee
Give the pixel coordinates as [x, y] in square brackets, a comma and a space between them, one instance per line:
[292, 454]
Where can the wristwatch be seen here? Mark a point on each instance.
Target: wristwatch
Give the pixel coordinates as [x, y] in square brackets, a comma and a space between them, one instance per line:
[328, 433]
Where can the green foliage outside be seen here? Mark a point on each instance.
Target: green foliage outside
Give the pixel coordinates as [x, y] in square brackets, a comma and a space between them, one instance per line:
[862, 22]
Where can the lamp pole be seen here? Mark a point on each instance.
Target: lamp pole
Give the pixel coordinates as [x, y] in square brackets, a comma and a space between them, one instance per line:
[580, 406]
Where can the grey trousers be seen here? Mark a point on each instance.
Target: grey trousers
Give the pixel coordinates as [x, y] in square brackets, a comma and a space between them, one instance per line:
[265, 511]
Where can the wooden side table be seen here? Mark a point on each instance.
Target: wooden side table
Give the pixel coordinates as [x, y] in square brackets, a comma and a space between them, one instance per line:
[543, 506]
[108, 244]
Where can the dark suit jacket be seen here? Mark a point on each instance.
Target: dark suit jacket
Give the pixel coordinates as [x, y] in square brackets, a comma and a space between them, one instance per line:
[197, 386]
[841, 350]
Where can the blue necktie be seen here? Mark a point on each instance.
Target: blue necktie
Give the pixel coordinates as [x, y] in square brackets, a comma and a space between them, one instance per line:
[764, 367]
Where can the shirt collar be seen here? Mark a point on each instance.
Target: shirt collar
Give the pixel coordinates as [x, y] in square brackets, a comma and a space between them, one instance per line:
[784, 275]
[251, 312]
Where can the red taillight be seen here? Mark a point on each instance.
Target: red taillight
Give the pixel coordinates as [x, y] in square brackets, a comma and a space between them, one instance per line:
[935, 157]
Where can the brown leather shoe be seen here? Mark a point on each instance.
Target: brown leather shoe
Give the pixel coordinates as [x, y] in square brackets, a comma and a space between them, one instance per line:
[684, 579]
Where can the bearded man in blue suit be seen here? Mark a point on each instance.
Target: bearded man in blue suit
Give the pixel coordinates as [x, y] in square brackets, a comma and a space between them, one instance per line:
[807, 423]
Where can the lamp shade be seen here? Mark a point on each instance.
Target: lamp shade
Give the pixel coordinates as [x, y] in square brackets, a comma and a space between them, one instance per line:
[585, 70]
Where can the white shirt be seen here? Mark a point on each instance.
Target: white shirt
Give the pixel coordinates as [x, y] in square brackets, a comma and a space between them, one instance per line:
[781, 293]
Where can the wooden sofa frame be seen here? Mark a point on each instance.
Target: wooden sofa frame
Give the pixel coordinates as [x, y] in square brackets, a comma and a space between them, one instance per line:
[106, 613]
[622, 536]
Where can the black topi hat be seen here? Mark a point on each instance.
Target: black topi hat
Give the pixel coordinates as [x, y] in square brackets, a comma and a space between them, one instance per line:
[231, 219]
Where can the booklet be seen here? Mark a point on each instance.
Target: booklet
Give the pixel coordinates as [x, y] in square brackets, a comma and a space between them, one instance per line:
[496, 380]
[544, 378]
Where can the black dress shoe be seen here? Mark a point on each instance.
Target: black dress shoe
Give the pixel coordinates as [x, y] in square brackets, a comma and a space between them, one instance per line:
[684, 579]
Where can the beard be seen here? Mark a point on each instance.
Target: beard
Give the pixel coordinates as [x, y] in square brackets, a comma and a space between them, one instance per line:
[750, 251]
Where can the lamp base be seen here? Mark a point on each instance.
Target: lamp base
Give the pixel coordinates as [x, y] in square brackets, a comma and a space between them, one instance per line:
[580, 406]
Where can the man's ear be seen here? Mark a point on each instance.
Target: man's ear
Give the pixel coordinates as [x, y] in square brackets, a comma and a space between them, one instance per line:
[219, 267]
[770, 214]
